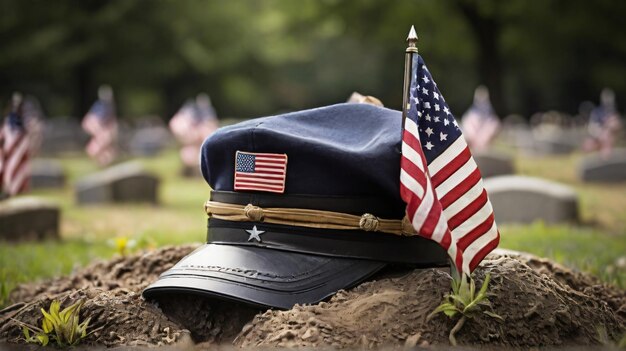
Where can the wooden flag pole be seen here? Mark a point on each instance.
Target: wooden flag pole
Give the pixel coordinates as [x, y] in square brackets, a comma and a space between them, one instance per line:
[408, 63]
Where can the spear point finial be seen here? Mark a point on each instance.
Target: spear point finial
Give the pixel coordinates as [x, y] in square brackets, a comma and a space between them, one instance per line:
[412, 40]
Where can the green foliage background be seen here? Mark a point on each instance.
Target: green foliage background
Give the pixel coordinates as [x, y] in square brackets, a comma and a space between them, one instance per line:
[257, 57]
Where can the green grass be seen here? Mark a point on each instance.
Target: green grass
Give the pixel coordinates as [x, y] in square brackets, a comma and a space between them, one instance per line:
[594, 246]
[25, 262]
[87, 231]
[583, 248]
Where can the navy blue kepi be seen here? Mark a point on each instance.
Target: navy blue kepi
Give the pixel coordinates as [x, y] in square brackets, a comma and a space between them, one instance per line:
[303, 204]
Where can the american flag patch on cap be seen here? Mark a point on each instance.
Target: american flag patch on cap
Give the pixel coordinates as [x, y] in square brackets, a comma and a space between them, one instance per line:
[260, 172]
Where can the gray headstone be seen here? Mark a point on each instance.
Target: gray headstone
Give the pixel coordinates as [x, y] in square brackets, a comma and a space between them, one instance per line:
[522, 199]
[514, 131]
[63, 136]
[556, 140]
[549, 146]
[127, 182]
[597, 169]
[493, 164]
[149, 141]
[191, 171]
[46, 173]
[28, 218]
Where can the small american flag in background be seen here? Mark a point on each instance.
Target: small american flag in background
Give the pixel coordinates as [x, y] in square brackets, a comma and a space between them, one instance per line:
[15, 167]
[260, 172]
[34, 123]
[439, 179]
[193, 122]
[183, 123]
[101, 123]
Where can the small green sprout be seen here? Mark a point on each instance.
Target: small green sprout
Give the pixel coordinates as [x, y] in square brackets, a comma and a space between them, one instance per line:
[64, 326]
[465, 301]
[39, 338]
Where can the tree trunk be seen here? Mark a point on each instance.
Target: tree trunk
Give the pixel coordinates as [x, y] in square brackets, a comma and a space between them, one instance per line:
[486, 31]
[83, 90]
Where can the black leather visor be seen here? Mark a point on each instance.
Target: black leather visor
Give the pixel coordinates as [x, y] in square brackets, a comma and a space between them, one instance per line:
[278, 266]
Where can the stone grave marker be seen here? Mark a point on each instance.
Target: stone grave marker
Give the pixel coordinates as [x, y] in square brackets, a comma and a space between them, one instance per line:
[149, 141]
[604, 170]
[46, 173]
[126, 182]
[28, 218]
[494, 164]
[515, 132]
[190, 171]
[523, 199]
[63, 135]
[554, 133]
[556, 140]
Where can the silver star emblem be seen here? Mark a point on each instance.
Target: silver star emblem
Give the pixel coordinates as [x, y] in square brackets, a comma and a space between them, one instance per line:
[254, 234]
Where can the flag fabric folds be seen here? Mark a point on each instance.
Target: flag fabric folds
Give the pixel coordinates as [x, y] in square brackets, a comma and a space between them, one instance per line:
[439, 179]
[101, 123]
[14, 163]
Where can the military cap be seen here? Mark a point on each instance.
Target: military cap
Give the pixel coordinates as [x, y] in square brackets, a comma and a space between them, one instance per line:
[302, 205]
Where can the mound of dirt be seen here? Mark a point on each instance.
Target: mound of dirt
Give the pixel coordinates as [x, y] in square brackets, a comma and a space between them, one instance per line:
[112, 294]
[542, 304]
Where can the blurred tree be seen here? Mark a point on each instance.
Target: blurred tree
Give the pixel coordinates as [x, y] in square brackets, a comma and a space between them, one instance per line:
[485, 21]
[262, 57]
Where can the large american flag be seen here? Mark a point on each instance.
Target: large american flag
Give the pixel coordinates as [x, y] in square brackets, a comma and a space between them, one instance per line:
[15, 167]
[101, 123]
[260, 171]
[439, 179]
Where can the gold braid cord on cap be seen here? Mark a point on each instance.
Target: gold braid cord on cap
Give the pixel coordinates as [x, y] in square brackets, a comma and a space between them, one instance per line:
[307, 218]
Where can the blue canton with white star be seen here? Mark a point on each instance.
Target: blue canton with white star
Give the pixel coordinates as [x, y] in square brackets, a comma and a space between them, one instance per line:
[103, 110]
[245, 163]
[15, 121]
[437, 126]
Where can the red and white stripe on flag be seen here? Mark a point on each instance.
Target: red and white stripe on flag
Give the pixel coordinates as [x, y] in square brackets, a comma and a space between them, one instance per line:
[260, 171]
[439, 179]
[15, 167]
